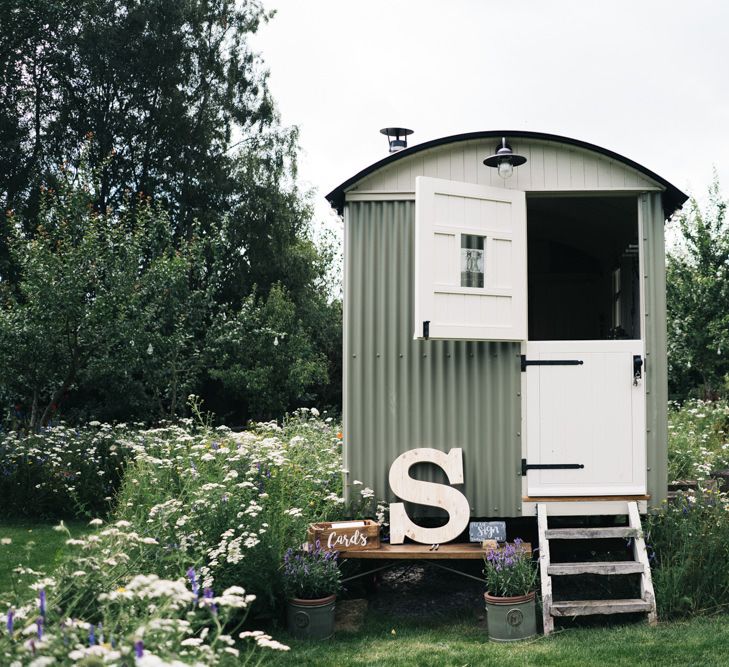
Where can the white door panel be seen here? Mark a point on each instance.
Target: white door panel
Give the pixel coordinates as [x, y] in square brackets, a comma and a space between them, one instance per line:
[470, 261]
[591, 414]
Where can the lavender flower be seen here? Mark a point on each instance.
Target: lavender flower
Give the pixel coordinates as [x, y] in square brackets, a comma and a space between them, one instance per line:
[193, 583]
[11, 617]
[509, 570]
[92, 635]
[42, 602]
[311, 572]
[139, 648]
[208, 594]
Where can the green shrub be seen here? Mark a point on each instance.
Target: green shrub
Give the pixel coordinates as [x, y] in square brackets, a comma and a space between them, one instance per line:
[688, 542]
[62, 472]
[698, 440]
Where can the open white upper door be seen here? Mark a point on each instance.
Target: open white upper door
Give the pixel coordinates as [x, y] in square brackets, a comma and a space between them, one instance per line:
[470, 261]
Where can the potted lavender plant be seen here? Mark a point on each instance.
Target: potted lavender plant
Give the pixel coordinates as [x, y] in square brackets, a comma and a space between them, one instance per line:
[511, 581]
[311, 580]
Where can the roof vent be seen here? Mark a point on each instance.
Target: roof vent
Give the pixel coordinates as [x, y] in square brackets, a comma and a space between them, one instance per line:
[397, 137]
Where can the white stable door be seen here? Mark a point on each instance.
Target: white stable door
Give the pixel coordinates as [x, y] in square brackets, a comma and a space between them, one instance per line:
[470, 261]
[590, 413]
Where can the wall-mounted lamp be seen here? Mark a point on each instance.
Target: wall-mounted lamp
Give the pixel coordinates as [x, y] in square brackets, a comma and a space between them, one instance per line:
[397, 137]
[504, 159]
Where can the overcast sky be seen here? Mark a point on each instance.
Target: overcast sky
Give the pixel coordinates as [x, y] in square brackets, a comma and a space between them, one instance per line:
[646, 79]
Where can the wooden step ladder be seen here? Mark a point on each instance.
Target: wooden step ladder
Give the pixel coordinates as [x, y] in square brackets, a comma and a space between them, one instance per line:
[639, 565]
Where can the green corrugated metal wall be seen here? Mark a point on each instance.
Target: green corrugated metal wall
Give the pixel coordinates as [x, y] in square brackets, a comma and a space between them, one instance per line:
[654, 275]
[401, 394]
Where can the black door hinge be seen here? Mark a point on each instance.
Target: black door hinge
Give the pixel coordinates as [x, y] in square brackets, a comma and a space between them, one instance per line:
[426, 329]
[548, 362]
[548, 466]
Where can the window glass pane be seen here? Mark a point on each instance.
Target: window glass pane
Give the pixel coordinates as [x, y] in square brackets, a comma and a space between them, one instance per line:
[472, 260]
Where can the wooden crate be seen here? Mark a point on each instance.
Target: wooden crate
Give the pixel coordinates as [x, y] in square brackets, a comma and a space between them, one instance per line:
[345, 535]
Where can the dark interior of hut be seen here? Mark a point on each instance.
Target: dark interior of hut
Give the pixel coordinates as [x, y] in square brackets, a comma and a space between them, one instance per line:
[583, 268]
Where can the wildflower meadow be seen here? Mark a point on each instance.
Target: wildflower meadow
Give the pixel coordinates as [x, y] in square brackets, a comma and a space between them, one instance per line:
[189, 552]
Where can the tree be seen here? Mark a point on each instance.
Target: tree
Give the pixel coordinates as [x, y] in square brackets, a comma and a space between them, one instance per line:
[165, 84]
[698, 299]
[263, 355]
[182, 123]
[98, 293]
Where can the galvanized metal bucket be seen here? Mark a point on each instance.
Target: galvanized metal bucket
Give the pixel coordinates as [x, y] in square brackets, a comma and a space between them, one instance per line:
[311, 619]
[511, 619]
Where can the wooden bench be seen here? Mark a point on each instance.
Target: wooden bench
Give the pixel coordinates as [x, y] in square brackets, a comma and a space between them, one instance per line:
[421, 552]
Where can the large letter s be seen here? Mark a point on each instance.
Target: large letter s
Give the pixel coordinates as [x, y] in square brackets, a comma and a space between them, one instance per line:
[428, 493]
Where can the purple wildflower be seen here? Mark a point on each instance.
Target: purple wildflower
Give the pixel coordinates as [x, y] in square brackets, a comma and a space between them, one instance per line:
[11, 617]
[208, 594]
[139, 648]
[193, 583]
[39, 624]
[42, 602]
[92, 635]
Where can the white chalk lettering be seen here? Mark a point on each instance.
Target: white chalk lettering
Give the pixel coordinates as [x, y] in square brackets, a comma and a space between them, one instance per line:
[355, 539]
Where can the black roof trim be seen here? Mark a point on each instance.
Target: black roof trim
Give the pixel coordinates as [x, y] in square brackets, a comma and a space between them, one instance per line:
[673, 198]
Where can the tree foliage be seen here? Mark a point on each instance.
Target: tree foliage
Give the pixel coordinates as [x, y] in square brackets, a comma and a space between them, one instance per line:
[698, 299]
[183, 154]
[104, 301]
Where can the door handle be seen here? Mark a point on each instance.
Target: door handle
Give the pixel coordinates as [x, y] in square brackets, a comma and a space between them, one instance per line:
[637, 369]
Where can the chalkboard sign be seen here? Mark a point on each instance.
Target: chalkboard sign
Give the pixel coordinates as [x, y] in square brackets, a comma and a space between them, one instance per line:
[487, 530]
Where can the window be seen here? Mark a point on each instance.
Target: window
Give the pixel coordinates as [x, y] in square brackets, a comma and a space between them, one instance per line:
[472, 260]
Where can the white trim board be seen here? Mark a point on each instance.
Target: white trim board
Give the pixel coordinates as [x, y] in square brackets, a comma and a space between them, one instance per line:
[582, 508]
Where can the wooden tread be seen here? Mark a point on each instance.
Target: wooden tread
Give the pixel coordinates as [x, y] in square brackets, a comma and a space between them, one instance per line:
[597, 567]
[590, 607]
[590, 533]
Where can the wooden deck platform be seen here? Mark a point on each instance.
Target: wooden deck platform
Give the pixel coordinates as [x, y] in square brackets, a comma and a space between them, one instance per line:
[460, 551]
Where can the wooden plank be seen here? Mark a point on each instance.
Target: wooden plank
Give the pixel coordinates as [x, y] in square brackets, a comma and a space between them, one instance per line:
[590, 607]
[584, 508]
[606, 567]
[641, 555]
[590, 533]
[459, 551]
[548, 621]
[580, 499]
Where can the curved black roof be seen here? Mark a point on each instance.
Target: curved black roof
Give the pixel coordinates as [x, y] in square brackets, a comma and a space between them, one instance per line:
[673, 198]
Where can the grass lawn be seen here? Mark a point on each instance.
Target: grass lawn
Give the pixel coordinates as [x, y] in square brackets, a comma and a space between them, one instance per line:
[700, 641]
[458, 641]
[34, 545]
